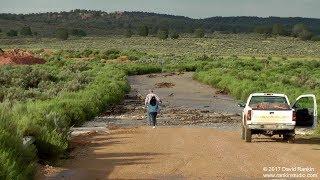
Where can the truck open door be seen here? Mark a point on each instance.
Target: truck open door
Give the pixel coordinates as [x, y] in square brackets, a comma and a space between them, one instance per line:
[305, 107]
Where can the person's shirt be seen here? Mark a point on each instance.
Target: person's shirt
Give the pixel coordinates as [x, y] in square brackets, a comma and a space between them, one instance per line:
[148, 98]
[153, 109]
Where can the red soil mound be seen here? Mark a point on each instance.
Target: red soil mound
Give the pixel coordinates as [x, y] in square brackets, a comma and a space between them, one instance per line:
[18, 56]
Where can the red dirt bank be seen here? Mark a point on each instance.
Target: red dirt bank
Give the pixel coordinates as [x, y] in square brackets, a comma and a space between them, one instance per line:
[18, 56]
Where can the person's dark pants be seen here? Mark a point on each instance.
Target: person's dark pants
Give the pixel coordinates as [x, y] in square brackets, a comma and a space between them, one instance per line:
[152, 118]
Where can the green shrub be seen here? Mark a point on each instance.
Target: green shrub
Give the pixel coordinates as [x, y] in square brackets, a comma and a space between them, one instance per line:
[111, 54]
[263, 30]
[305, 35]
[26, 31]
[315, 38]
[49, 120]
[163, 34]
[12, 33]
[62, 34]
[199, 33]
[278, 29]
[298, 29]
[174, 35]
[128, 33]
[17, 161]
[143, 31]
[78, 32]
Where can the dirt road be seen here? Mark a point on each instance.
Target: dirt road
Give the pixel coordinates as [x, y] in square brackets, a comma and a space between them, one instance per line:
[124, 148]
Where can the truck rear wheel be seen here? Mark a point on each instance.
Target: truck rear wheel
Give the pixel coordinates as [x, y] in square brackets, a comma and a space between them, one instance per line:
[289, 137]
[248, 135]
[243, 132]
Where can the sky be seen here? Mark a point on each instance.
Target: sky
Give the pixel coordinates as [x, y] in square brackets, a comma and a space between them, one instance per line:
[189, 8]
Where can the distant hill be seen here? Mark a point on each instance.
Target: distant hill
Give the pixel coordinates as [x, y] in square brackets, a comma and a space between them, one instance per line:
[97, 23]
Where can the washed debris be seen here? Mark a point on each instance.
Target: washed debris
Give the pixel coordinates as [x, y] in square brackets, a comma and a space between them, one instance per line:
[164, 85]
[133, 114]
[264, 106]
[171, 94]
[151, 75]
[113, 127]
[76, 131]
[169, 74]
[18, 56]
[222, 91]
[48, 170]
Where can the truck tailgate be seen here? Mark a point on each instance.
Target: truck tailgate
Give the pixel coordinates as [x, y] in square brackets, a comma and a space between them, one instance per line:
[271, 116]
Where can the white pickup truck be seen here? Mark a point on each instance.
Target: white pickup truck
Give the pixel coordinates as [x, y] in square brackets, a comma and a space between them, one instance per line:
[271, 114]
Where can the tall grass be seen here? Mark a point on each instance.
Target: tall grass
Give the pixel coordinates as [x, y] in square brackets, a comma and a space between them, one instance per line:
[17, 161]
[49, 121]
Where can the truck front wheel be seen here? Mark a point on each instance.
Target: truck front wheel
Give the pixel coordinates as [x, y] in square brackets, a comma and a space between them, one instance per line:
[248, 135]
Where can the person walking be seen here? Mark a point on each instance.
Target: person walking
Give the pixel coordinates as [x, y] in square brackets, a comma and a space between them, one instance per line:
[152, 102]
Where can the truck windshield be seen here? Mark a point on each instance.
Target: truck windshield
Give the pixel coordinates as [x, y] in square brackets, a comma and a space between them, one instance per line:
[269, 102]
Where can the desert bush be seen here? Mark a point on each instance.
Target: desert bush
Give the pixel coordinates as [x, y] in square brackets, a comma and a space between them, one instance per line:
[199, 33]
[143, 31]
[174, 35]
[110, 54]
[17, 161]
[128, 33]
[49, 120]
[315, 38]
[62, 34]
[133, 54]
[12, 33]
[305, 35]
[263, 30]
[78, 32]
[163, 34]
[298, 29]
[23, 83]
[278, 29]
[242, 77]
[26, 31]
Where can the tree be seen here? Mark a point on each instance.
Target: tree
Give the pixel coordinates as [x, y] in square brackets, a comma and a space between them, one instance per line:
[12, 33]
[174, 35]
[315, 38]
[154, 30]
[163, 34]
[62, 34]
[78, 32]
[144, 31]
[26, 31]
[128, 33]
[278, 29]
[298, 29]
[305, 35]
[301, 31]
[199, 33]
[263, 30]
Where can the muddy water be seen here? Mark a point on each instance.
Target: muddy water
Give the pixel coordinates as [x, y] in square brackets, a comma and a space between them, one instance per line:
[186, 102]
